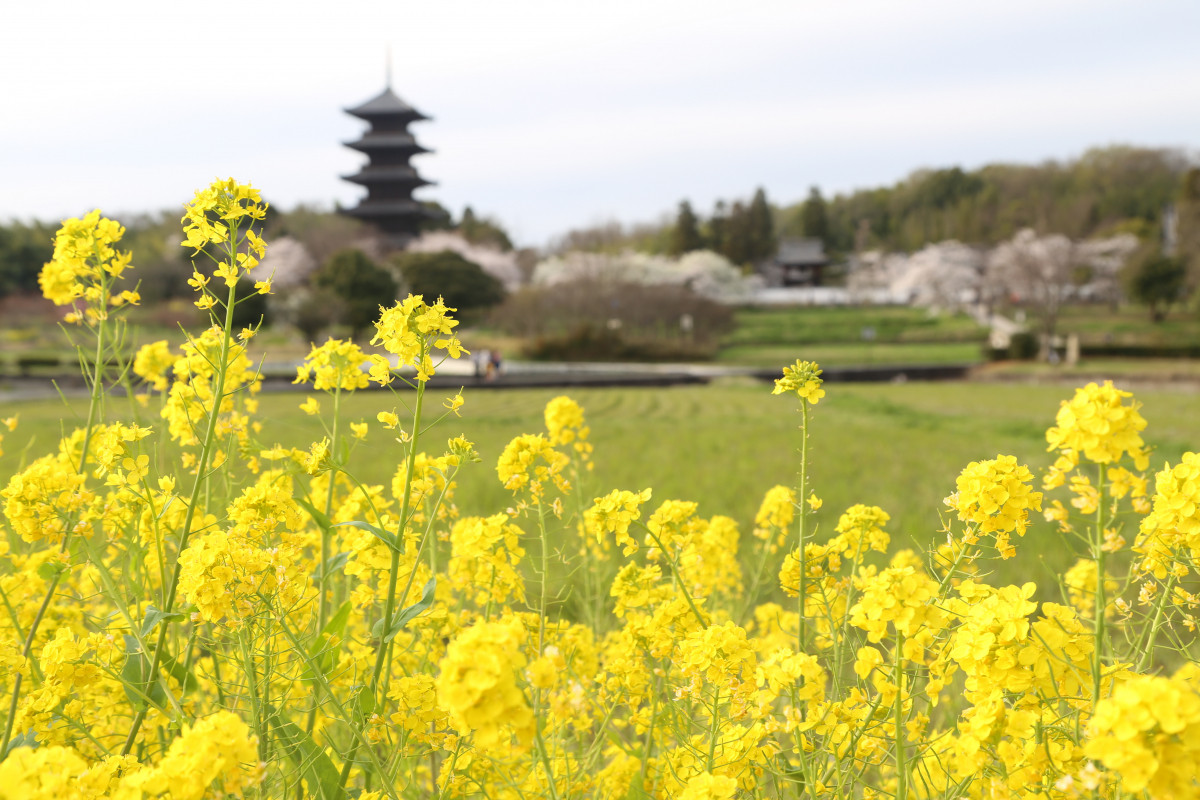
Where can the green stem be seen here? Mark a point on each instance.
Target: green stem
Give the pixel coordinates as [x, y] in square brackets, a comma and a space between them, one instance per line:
[256, 706]
[1100, 629]
[326, 554]
[323, 605]
[801, 627]
[544, 576]
[197, 486]
[714, 727]
[678, 579]
[389, 607]
[648, 741]
[93, 410]
[898, 717]
[1147, 648]
[394, 568]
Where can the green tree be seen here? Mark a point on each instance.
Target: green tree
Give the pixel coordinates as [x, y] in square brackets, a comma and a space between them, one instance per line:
[437, 217]
[738, 245]
[814, 218]
[484, 231]
[23, 251]
[685, 236]
[760, 227]
[1188, 226]
[360, 284]
[718, 227]
[461, 283]
[1158, 281]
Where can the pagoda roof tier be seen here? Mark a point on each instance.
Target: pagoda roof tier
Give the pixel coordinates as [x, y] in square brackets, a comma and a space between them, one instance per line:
[387, 208]
[390, 174]
[386, 104]
[386, 141]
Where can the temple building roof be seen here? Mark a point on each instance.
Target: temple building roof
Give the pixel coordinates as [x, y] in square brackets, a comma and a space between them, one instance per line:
[385, 104]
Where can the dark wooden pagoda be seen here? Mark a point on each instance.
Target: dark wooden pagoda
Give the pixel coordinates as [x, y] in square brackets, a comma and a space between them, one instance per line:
[388, 177]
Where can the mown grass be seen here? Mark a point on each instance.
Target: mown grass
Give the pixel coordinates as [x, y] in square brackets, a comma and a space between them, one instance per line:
[806, 325]
[723, 445]
[853, 353]
[1130, 325]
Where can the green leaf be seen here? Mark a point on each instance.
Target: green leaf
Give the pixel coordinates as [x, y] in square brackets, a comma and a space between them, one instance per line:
[155, 616]
[318, 516]
[405, 615]
[379, 534]
[322, 776]
[162, 513]
[49, 570]
[186, 678]
[26, 739]
[333, 565]
[139, 686]
[322, 652]
[364, 701]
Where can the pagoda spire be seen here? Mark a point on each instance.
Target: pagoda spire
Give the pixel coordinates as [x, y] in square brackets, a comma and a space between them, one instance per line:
[387, 176]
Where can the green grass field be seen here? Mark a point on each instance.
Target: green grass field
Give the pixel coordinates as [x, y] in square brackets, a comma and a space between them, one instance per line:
[851, 337]
[896, 446]
[853, 353]
[1129, 325]
[807, 325]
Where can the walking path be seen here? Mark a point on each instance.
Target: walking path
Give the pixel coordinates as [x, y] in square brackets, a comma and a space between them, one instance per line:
[278, 376]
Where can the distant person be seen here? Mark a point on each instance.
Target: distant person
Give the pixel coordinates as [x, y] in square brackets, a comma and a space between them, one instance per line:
[495, 363]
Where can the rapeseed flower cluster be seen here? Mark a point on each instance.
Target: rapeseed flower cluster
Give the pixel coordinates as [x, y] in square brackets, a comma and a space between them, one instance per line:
[1098, 425]
[1148, 732]
[1170, 533]
[412, 331]
[995, 497]
[337, 364]
[85, 265]
[189, 611]
[477, 684]
[802, 379]
[153, 363]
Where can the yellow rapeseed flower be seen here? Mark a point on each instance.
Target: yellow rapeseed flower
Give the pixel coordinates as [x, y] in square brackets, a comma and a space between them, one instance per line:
[1173, 524]
[336, 364]
[1098, 425]
[996, 496]
[412, 329]
[1148, 731]
[804, 379]
[84, 253]
[477, 685]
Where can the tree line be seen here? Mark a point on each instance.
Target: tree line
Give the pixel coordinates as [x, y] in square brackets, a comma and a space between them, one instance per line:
[1109, 190]
[163, 266]
[1106, 190]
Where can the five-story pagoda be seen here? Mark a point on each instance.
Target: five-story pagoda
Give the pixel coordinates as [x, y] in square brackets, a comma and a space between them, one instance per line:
[388, 177]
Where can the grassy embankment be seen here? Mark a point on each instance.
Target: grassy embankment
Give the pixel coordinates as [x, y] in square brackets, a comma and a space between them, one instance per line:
[851, 336]
[899, 335]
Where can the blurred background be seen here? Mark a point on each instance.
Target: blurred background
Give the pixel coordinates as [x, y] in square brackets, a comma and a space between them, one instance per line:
[787, 146]
[686, 192]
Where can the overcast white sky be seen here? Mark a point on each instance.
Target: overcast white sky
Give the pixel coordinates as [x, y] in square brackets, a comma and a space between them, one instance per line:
[549, 115]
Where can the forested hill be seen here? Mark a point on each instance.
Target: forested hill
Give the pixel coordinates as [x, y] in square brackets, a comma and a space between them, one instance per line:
[1106, 189]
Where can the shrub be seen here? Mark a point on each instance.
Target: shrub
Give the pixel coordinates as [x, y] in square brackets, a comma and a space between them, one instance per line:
[361, 286]
[461, 283]
[585, 319]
